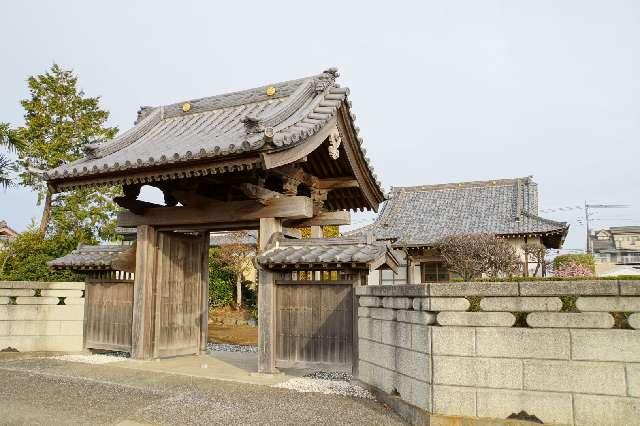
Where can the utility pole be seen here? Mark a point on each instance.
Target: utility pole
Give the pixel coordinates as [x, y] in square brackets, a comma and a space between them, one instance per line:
[588, 214]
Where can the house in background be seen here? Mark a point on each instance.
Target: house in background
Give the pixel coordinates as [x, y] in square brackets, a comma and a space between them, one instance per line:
[415, 218]
[6, 233]
[616, 250]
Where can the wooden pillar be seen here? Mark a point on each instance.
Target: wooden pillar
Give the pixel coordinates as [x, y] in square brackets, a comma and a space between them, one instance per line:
[360, 276]
[410, 270]
[143, 293]
[316, 232]
[204, 319]
[266, 303]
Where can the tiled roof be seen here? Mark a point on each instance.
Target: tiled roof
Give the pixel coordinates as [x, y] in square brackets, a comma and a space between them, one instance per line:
[212, 129]
[217, 239]
[6, 229]
[89, 257]
[324, 251]
[421, 215]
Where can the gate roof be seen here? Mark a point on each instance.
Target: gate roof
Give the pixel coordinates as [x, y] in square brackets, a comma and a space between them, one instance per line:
[265, 127]
[322, 253]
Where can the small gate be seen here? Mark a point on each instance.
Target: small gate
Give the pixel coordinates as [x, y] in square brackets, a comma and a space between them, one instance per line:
[174, 285]
[108, 311]
[314, 320]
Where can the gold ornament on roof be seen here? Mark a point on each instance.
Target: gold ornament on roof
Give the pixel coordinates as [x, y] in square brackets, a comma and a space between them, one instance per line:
[186, 107]
[271, 90]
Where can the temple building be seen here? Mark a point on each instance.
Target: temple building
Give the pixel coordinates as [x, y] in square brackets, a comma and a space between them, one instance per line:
[415, 218]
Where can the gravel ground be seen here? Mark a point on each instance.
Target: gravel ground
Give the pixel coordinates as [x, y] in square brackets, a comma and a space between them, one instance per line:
[325, 386]
[51, 392]
[93, 358]
[330, 375]
[224, 347]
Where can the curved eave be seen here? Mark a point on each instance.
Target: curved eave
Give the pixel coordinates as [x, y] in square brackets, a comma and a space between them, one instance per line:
[363, 171]
[159, 171]
[551, 239]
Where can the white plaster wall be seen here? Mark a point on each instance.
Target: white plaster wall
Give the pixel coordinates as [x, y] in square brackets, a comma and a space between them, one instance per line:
[39, 323]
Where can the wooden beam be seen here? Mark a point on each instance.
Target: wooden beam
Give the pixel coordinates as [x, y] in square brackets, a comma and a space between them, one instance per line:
[191, 198]
[297, 207]
[340, 217]
[258, 193]
[133, 205]
[338, 183]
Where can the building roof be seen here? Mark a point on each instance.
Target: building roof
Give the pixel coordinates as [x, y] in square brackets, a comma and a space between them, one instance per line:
[6, 230]
[227, 133]
[218, 239]
[282, 251]
[421, 215]
[90, 257]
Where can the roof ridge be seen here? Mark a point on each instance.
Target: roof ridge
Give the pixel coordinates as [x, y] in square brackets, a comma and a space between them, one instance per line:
[542, 219]
[239, 97]
[462, 185]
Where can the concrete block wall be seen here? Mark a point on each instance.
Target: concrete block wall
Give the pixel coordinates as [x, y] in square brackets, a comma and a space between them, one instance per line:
[567, 352]
[41, 316]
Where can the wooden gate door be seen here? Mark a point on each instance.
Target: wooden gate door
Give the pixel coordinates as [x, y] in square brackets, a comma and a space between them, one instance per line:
[178, 297]
[314, 324]
[108, 312]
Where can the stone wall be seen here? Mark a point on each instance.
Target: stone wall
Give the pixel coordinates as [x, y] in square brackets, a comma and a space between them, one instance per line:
[41, 316]
[567, 352]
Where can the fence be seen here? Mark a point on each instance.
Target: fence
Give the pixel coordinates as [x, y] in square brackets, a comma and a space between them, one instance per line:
[564, 352]
[41, 316]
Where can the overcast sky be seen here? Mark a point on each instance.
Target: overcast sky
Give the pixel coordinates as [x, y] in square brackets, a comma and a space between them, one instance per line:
[443, 91]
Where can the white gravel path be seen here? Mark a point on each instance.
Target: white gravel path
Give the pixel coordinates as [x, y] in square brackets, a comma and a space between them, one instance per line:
[224, 347]
[91, 359]
[327, 387]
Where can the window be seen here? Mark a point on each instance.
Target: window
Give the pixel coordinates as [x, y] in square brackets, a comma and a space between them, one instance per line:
[433, 272]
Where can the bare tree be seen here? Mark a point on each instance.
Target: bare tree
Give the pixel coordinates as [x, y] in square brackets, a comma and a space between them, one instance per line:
[236, 256]
[535, 252]
[472, 255]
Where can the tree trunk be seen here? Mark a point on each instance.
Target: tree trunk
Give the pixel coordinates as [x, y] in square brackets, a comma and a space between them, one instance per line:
[46, 214]
[238, 291]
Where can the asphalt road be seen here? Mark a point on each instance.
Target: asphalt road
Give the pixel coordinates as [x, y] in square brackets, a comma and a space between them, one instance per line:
[40, 391]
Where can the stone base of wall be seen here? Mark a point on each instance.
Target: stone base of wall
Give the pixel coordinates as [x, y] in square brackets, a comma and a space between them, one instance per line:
[538, 350]
[419, 417]
[41, 316]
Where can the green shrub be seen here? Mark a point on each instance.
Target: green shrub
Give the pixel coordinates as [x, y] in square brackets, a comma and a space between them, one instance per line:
[220, 292]
[221, 282]
[26, 257]
[584, 259]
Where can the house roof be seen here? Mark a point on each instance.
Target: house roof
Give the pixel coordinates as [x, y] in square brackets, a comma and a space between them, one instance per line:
[421, 215]
[6, 230]
[318, 251]
[218, 239]
[90, 257]
[224, 133]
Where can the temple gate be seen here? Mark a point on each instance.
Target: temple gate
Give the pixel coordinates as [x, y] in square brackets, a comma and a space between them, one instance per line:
[281, 155]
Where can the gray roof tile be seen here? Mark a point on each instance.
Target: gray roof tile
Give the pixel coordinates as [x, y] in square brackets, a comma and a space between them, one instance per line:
[421, 215]
[215, 127]
[89, 257]
[323, 250]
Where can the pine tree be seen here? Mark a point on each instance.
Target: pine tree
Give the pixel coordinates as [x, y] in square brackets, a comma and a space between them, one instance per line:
[59, 120]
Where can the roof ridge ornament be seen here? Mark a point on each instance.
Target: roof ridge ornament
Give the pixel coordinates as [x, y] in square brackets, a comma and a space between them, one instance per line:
[334, 144]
